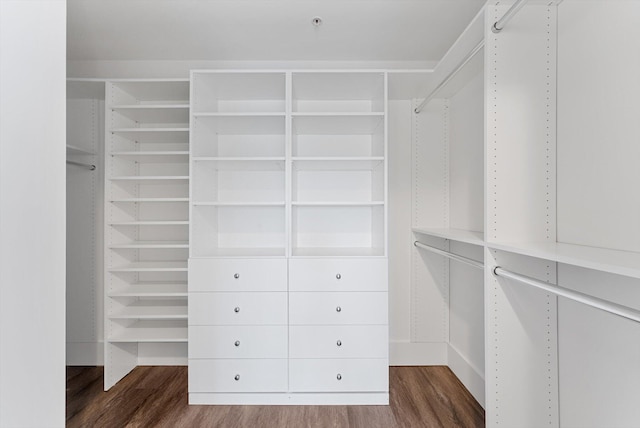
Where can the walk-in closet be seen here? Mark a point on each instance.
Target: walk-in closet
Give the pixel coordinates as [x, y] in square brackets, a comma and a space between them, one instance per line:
[320, 213]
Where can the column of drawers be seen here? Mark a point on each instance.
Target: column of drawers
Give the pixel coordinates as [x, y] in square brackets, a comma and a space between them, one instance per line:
[237, 325]
[338, 328]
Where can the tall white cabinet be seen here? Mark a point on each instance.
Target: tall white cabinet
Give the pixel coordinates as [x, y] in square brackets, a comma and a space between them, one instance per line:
[288, 268]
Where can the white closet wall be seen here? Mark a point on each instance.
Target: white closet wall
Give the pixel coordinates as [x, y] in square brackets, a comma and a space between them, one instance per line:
[85, 145]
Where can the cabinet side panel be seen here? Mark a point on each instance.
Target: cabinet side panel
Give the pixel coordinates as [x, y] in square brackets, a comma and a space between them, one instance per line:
[598, 127]
[521, 344]
[520, 132]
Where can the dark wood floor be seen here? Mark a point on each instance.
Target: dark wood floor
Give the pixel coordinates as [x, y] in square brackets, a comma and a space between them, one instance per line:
[157, 397]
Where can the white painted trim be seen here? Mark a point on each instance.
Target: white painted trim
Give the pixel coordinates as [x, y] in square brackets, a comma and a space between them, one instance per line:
[471, 377]
[332, 399]
[417, 354]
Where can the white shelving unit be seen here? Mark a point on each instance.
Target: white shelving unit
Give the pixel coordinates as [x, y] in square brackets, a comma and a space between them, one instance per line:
[146, 224]
[448, 211]
[286, 166]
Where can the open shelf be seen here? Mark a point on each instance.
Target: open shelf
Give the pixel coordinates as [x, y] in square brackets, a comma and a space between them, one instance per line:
[150, 130]
[460, 235]
[152, 332]
[626, 263]
[153, 310]
[237, 92]
[136, 200]
[247, 252]
[239, 204]
[337, 124]
[151, 289]
[151, 223]
[78, 151]
[152, 244]
[337, 163]
[338, 92]
[130, 115]
[150, 93]
[158, 266]
[152, 179]
[240, 164]
[337, 252]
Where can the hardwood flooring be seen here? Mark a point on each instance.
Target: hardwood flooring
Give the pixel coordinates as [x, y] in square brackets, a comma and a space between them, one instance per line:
[157, 397]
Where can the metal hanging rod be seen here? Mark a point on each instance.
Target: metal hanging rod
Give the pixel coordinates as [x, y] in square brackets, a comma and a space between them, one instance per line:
[83, 165]
[452, 256]
[594, 302]
[500, 23]
[450, 76]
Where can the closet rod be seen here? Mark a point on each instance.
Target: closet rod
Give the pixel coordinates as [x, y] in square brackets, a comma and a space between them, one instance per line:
[83, 165]
[595, 302]
[500, 23]
[452, 256]
[450, 76]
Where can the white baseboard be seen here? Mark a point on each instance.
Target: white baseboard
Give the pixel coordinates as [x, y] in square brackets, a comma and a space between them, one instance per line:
[417, 354]
[85, 354]
[470, 376]
[291, 399]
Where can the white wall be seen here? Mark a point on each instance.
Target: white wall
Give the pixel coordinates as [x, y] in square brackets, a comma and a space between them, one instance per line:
[32, 212]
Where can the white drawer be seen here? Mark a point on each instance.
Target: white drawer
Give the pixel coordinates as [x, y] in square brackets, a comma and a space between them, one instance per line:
[370, 341]
[237, 375]
[237, 275]
[238, 342]
[339, 375]
[237, 308]
[338, 308]
[338, 274]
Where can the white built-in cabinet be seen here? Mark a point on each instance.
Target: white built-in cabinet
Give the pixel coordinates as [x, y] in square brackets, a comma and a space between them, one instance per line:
[146, 224]
[287, 267]
[525, 161]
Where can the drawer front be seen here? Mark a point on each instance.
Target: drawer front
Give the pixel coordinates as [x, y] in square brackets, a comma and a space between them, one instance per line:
[369, 341]
[237, 275]
[338, 308]
[338, 275]
[237, 308]
[237, 375]
[339, 375]
[238, 342]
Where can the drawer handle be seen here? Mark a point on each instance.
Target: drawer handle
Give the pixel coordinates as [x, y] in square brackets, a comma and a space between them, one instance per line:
[338, 276]
[338, 309]
[339, 377]
[237, 343]
[237, 377]
[339, 343]
[236, 275]
[236, 309]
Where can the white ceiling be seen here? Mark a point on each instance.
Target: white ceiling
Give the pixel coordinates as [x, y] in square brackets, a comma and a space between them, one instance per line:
[265, 30]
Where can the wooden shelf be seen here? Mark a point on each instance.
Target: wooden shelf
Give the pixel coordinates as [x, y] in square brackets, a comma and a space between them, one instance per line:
[161, 289]
[151, 332]
[624, 263]
[466, 236]
[160, 266]
[153, 244]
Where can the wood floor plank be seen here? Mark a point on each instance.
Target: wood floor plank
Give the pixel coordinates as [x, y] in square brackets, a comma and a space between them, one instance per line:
[157, 397]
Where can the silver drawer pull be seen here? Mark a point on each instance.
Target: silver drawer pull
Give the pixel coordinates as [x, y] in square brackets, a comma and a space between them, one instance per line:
[237, 377]
[237, 343]
[339, 377]
[236, 309]
[338, 276]
[236, 275]
[339, 343]
[338, 309]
